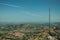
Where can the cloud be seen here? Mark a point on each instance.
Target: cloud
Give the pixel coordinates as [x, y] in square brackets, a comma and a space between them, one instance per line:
[11, 5]
[31, 13]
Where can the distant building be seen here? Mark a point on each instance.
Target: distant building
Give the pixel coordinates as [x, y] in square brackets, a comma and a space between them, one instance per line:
[18, 34]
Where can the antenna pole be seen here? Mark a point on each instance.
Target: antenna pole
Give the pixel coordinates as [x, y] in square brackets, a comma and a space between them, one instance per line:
[49, 19]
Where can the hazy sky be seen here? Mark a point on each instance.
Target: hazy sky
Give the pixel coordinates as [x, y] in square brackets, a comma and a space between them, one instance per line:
[29, 10]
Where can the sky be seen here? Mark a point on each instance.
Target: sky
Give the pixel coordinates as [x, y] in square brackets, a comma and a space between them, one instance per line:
[18, 11]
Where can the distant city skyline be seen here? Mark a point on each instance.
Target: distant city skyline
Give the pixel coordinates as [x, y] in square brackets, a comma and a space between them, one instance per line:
[33, 11]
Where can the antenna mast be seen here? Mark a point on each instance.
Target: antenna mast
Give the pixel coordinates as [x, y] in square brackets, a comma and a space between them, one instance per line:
[49, 19]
